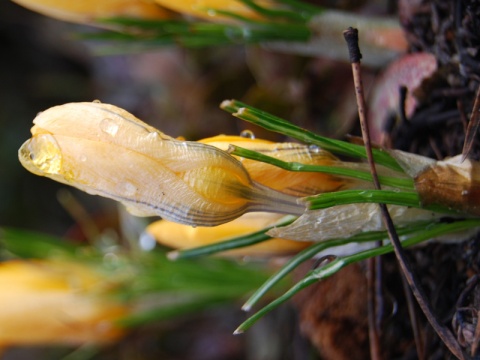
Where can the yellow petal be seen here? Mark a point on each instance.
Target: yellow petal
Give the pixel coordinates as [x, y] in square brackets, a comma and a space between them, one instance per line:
[179, 236]
[87, 11]
[56, 302]
[206, 8]
[289, 182]
[104, 150]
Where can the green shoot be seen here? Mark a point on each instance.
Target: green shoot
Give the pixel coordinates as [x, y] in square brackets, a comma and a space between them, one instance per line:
[276, 124]
[334, 266]
[399, 182]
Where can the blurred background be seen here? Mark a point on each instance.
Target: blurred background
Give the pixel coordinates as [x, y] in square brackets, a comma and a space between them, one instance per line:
[178, 91]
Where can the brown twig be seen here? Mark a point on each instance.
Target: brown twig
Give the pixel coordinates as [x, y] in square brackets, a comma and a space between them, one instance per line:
[472, 127]
[351, 36]
[414, 320]
[373, 328]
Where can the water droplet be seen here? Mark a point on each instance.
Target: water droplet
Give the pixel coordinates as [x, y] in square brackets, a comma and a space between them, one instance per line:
[110, 258]
[96, 101]
[152, 135]
[146, 242]
[314, 148]
[236, 35]
[129, 189]
[109, 126]
[465, 193]
[83, 158]
[42, 154]
[247, 134]
[211, 12]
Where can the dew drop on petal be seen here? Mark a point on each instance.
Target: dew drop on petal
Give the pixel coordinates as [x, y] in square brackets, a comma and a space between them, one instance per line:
[109, 126]
[96, 101]
[129, 189]
[42, 154]
[152, 135]
[247, 134]
[314, 149]
[83, 158]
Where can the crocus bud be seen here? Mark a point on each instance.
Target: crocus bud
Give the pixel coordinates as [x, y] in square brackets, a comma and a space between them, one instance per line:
[295, 183]
[87, 11]
[54, 302]
[104, 150]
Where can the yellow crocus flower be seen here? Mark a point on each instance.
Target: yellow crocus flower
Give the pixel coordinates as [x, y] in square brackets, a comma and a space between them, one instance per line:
[289, 182]
[52, 302]
[87, 11]
[104, 150]
[206, 9]
[179, 236]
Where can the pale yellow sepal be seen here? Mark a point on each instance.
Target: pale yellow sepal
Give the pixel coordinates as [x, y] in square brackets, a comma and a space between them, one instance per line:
[56, 302]
[87, 11]
[343, 221]
[179, 236]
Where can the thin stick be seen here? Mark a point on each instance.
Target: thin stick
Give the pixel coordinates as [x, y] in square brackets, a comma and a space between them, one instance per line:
[373, 328]
[472, 127]
[351, 36]
[417, 334]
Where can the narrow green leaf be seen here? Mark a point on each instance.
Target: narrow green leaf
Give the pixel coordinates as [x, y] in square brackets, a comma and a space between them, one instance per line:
[334, 266]
[399, 182]
[29, 244]
[316, 248]
[393, 197]
[276, 124]
[234, 243]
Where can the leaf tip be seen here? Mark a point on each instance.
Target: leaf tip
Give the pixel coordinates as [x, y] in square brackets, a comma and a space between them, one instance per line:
[246, 307]
[226, 104]
[238, 331]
